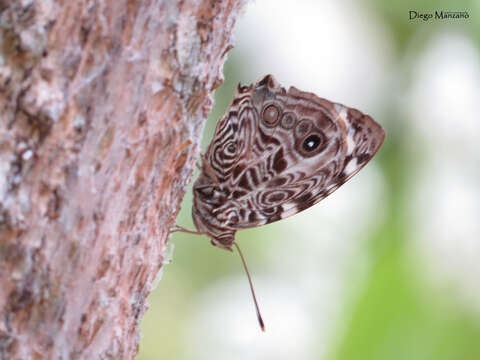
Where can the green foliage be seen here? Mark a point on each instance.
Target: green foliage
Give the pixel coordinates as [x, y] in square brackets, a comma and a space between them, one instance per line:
[397, 314]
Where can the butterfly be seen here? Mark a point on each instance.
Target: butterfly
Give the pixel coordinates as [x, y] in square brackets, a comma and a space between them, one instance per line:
[273, 154]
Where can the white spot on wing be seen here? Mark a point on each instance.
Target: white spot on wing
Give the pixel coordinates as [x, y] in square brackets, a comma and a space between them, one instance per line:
[342, 111]
[351, 166]
[343, 116]
[350, 143]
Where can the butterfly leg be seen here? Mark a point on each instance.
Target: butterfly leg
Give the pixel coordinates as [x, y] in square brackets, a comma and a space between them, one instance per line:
[182, 229]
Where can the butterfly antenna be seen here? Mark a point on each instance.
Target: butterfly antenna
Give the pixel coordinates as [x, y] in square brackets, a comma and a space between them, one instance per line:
[259, 316]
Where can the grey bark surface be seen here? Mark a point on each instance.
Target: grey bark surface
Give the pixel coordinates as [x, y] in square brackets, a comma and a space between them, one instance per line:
[102, 104]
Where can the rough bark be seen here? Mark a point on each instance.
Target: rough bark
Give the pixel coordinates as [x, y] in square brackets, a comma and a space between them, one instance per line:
[102, 104]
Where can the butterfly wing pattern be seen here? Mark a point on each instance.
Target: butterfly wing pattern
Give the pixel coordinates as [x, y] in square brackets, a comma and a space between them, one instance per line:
[275, 153]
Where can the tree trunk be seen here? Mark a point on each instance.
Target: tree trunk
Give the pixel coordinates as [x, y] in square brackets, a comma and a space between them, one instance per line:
[102, 104]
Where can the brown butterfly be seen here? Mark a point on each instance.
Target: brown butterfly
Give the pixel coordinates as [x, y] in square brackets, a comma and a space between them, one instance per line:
[276, 153]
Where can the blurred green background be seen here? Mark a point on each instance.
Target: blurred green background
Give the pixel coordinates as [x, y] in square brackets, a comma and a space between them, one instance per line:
[388, 266]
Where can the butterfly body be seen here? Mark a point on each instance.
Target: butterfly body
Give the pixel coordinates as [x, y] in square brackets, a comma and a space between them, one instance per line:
[275, 153]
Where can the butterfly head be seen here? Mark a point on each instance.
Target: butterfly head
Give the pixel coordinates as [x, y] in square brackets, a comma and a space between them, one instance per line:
[224, 242]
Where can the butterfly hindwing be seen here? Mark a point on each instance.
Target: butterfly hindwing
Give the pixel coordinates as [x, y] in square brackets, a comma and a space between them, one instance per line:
[276, 153]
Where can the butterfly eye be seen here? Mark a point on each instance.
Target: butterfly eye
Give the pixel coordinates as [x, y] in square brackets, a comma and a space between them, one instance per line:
[271, 115]
[311, 143]
[303, 128]
[288, 121]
